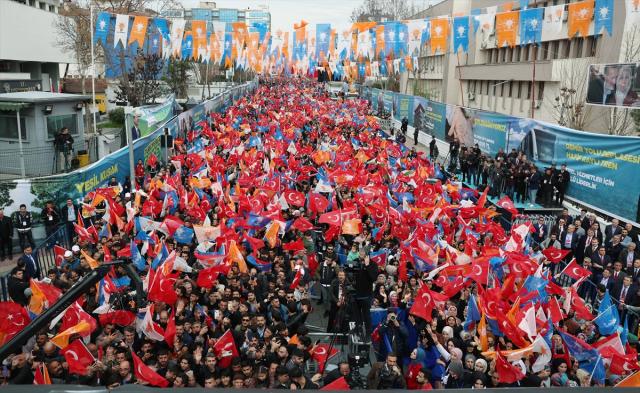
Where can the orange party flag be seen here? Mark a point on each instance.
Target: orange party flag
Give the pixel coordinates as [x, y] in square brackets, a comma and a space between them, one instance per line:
[439, 35]
[507, 28]
[199, 30]
[236, 256]
[138, 30]
[38, 298]
[580, 15]
[61, 340]
[92, 262]
[482, 332]
[632, 381]
[271, 236]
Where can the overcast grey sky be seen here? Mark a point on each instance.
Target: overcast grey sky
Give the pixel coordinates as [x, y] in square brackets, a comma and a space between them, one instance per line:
[284, 13]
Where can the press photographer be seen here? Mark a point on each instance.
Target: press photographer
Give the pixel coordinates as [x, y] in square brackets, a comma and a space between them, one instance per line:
[386, 375]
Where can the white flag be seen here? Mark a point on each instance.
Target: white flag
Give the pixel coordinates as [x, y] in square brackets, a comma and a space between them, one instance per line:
[121, 30]
[552, 24]
[344, 43]
[177, 32]
[528, 323]
[541, 347]
[633, 12]
[365, 48]
[416, 28]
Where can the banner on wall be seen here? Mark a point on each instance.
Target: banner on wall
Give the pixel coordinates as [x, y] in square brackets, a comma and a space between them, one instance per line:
[147, 117]
[429, 117]
[388, 101]
[601, 165]
[614, 85]
[403, 107]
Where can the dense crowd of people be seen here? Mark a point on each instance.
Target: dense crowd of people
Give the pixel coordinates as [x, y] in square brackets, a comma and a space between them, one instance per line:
[290, 203]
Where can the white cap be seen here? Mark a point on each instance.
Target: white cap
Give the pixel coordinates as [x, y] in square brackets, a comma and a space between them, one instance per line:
[68, 254]
[127, 195]
[75, 248]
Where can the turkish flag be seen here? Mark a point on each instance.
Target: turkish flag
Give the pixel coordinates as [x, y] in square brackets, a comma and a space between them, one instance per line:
[425, 302]
[507, 204]
[577, 304]
[338, 384]
[294, 246]
[14, 319]
[146, 374]
[297, 279]
[256, 244]
[507, 373]
[321, 353]
[78, 357]
[554, 255]
[124, 252]
[555, 311]
[480, 271]
[302, 224]
[59, 254]
[225, 349]
[294, 198]
[623, 364]
[161, 288]
[170, 331]
[331, 218]
[119, 317]
[207, 277]
[576, 271]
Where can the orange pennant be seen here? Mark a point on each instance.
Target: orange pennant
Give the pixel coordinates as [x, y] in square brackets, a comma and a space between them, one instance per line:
[507, 28]
[439, 35]
[62, 339]
[199, 31]
[580, 15]
[380, 40]
[92, 262]
[272, 234]
[138, 30]
[236, 256]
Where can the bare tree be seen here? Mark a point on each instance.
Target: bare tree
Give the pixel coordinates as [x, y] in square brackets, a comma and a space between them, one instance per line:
[567, 104]
[141, 85]
[622, 121]
[386, 10]
[74, 38]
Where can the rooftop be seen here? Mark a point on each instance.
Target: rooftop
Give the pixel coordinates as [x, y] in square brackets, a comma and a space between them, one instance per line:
[41, 96]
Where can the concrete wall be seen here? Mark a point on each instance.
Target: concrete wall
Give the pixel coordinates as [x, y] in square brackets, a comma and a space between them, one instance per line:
[28, 34]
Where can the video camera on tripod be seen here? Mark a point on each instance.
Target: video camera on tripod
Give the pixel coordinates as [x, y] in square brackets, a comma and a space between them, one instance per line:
[357, 361]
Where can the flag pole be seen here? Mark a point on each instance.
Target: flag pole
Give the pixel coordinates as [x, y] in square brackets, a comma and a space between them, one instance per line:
[93, 70]
[594, 369]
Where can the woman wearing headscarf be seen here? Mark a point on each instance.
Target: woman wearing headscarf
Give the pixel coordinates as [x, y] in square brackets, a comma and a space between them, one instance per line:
[416, 363]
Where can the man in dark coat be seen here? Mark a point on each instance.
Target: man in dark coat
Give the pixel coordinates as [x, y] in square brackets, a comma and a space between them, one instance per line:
[6, 235]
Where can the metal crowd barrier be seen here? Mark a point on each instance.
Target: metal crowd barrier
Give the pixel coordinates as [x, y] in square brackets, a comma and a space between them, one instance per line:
[45, 257]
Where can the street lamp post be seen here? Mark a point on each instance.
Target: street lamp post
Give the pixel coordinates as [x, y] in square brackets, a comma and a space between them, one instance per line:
[127, 130]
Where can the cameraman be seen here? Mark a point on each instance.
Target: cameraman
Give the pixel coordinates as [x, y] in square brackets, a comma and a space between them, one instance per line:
[337, 296]
[64, 147]
[395, 333]
[386, 375]
[364, 277]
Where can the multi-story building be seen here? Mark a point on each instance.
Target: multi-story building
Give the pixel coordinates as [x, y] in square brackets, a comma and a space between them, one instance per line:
[523, 81]
[29, 57]
[209, 11]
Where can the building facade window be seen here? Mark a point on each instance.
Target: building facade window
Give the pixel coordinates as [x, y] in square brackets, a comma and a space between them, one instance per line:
[9, 126]
[56, 122]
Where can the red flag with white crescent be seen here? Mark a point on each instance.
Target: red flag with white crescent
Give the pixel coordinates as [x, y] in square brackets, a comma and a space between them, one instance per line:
[145, 373]
[321, 353]
[78, 357]
[555, 255]
[225, 349]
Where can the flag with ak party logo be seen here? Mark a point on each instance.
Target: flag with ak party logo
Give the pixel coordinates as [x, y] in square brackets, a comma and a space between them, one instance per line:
[531, 26]
[461, 34]
[580, 15]
[507, 28]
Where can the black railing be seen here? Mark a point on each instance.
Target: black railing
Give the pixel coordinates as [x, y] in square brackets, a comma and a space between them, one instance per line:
[45, 257]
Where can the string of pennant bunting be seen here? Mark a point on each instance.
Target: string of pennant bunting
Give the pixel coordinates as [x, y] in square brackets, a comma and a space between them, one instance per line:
[363, 48]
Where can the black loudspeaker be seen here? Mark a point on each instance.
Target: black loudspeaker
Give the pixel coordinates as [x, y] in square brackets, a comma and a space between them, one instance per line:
[166, 141]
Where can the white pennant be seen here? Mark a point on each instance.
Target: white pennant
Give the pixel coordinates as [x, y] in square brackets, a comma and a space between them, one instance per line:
[121, 30]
